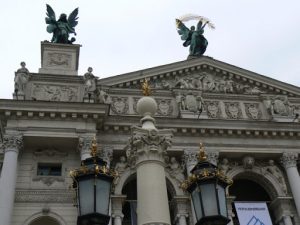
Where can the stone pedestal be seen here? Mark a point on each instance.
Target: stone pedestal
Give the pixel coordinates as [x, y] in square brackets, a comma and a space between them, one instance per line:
[60, 59]
[11, 144]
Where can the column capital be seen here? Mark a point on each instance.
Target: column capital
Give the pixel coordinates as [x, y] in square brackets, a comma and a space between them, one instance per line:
[190, 156]
[213, 157]
[147, 144]
[12, 142]
[84, 145]
[289, 159]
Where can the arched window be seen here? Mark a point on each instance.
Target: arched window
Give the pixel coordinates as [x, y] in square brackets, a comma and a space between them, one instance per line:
[45, 220]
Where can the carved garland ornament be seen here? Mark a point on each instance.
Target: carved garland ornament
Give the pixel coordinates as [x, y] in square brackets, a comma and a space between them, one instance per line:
[233, 110]
[119, 105]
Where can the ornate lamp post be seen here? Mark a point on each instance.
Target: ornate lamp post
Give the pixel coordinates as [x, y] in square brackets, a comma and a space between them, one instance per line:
[207, 187]
[92, 182]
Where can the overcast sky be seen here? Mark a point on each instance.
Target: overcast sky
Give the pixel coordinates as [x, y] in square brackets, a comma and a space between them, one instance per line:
[119, 36]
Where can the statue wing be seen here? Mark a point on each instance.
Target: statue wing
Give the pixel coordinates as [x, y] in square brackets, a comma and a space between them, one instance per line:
[184, 32]
[50, 15]
[72, 19]
[50, 19]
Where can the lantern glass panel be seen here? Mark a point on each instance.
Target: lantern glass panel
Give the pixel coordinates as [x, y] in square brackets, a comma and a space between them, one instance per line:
[209, 199]
[86, 196]
[102, 196]
[197, 203]
[222, 200]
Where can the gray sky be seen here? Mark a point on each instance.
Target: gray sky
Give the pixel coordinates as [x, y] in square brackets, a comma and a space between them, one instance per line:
[119, 36]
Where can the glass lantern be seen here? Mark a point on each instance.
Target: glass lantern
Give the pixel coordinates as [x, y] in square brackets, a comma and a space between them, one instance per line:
[93, 181]
[207, 187]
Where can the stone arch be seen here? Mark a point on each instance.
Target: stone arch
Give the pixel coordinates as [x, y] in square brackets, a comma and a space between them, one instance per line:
[172, 184]
[269, 182]
[40, 215]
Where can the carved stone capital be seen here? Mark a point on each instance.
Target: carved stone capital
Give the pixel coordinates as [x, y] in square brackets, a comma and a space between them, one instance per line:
[84, 144]
[148, 144]
[213, 157]
[190, 157]
[12, 143]
[289, 159]
[117, 205]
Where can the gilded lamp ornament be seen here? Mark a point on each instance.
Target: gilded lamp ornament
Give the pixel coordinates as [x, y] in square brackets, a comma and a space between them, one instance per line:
[93, 182]
[207, 187]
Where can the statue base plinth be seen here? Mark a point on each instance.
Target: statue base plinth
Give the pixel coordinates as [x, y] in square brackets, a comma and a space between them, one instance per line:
[283, 119]
[18, 96]
[191, 115]
[59, 59]
[88, 100]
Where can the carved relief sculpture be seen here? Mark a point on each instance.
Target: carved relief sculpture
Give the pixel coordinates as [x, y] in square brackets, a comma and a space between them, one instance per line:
[276, 172]
[21, 79]
[233, 110]
[252, 110]
[54, 93]
[59, 60]
[176, 170]
[213, 109]
[164, 107]
[248, 162]
[224, 166]
[119, 105]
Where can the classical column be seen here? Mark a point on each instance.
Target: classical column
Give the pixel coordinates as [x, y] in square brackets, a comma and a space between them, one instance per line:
[182, 205]
[117, 205]
[147, 149]
[289, 161]
[11, 145]
[84, 146]
[287, 220]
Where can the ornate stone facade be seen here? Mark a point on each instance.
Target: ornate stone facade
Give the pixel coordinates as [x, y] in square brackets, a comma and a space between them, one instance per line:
[248, 124]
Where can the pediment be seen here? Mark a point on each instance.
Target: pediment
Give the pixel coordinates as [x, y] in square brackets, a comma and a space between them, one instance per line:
[205, 74]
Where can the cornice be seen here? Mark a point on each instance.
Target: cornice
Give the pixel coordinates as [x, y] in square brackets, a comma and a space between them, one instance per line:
[56, 78]
[194, 127]
[43, 109]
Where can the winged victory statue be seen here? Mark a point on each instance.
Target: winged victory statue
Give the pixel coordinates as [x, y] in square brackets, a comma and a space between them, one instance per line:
[194, 37]
[62, 27]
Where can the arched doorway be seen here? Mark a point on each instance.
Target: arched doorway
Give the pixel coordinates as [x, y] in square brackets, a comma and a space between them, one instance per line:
[246, 190]
[45, 220]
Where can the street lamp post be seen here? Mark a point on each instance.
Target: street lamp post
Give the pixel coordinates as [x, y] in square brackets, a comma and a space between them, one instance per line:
[207, 187]
[92, 182]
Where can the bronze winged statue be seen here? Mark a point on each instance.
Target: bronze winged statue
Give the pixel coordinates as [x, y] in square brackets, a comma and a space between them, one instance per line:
[194, 37]
[62, 27]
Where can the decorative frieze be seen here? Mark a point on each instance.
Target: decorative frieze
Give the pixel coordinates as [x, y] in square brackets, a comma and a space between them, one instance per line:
[119, 105]
[164, 107]
[42, 196]
[233, 110]
[213, 109]
[253, 111]
[52, 92]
